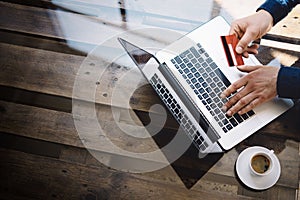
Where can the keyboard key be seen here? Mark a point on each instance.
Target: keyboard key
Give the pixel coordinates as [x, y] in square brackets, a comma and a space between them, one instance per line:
[251, 113]
[190, 56]
[178, 59]
[193, 69]
[197, 75]
[200, 80]
[213, 65]
[195, 52]
[213, 95]
[229, 126]
[245, 116]
[182, 55]
[201, 60]
[205, 75]
[194, 80]
[212, 85]
[224, 129]
[186, 70]
[197, 85]
[238, 118]
[209, 101]
[208, 90]
[209, 60]
[233, 122]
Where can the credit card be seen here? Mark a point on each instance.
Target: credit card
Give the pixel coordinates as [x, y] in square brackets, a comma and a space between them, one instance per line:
[229, 44]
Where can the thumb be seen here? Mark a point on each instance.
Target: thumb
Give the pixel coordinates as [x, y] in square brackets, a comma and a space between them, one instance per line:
[244, 42]
[247, 68]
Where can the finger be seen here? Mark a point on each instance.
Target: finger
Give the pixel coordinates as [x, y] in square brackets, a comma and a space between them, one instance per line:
[246, 54]
[234, 29]
[248, 68]
[250, 106]
[254, 46]
[240, 99]
[243, 102]
[253, 49]
[234, 87]
[244, 41]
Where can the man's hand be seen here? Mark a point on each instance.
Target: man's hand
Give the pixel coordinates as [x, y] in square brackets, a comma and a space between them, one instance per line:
[255, 88]
[249, 29]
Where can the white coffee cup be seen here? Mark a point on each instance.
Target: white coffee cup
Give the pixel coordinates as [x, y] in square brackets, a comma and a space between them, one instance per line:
[261, 163]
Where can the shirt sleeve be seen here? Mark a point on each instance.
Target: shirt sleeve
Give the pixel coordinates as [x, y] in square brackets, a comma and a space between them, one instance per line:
[288, 82]
[278, 8]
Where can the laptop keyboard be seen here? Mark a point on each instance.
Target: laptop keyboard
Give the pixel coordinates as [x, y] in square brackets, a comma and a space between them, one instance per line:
[207, 81]
[178, 113]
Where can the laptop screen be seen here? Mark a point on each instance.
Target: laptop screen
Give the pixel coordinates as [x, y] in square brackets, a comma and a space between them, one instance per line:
[138, 55]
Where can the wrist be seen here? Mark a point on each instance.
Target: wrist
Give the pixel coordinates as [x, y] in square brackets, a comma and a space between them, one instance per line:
[266, 16]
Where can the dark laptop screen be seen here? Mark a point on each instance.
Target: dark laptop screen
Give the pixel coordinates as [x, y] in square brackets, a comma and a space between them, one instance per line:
[138, 55]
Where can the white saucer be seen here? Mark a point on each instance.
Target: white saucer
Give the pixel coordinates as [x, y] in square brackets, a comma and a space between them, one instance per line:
[253, 181]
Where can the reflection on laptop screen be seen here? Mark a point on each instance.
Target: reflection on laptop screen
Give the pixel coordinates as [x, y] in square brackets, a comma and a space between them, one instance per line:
[138, 55]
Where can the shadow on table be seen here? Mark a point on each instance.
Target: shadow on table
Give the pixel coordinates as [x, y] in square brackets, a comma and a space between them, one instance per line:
[189, 167]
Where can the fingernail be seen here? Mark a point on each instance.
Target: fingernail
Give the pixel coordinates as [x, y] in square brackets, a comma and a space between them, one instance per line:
[224, 108]
[222, 95]
[229, 113]
[239, 49]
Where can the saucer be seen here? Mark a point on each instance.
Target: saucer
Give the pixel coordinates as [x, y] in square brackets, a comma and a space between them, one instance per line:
[253, 181]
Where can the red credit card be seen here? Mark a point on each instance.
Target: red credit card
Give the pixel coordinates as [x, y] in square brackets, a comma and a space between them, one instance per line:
[229, 43]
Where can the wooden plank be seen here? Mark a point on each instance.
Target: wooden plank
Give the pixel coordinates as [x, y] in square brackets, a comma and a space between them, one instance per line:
[40, 42]
[57, 72]
[286, 125]
[73, 27]
[82, 181]
[56, 24]
[58, 127]
[272, 193]
[289, 26]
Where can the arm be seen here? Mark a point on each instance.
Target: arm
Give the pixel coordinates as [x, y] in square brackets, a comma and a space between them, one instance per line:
[278, 8]
[262, 83]
[288, 82]
[255, 26]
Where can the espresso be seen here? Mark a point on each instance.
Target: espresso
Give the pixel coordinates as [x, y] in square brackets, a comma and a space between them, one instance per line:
[260, 163]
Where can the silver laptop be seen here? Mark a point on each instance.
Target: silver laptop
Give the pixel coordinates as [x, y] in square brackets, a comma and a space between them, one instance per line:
[189, 76]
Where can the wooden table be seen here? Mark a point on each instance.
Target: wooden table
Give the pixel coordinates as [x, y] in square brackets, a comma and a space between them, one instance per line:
[46, 45]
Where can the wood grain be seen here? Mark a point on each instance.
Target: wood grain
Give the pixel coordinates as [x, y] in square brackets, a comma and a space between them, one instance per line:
[54, 74]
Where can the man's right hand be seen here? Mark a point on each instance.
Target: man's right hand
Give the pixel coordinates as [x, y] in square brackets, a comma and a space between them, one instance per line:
[251, 28]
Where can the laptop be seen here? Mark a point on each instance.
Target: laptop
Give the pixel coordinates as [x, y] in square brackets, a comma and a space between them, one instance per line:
[189, 75]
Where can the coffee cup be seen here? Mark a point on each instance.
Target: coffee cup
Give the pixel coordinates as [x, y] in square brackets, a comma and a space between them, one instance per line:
[261, 163]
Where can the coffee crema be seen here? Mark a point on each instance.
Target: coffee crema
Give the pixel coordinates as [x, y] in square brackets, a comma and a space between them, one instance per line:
[260, 163]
